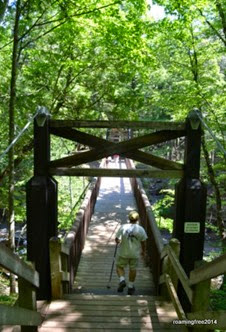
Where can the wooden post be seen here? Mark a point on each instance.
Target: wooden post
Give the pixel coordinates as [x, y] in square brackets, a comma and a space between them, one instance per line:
[27, 300]
[200, 300]
[41, 192]
[56, 268]
[190, 201]
[167, 267]
[65, 268]
[175, 245]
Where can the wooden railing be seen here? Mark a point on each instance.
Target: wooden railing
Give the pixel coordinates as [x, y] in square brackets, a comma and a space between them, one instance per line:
[65, 256]
[59, 267]
[167, 270]
[25, 314]
[196, 287]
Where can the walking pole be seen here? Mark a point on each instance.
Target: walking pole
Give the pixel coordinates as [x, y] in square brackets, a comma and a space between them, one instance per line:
[109, 281]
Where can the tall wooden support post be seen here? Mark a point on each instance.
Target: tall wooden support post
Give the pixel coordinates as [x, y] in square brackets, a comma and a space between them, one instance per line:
[41, 192]
[190, 200]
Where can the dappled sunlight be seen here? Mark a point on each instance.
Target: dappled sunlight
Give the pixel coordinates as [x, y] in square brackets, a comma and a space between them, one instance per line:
[90, 311]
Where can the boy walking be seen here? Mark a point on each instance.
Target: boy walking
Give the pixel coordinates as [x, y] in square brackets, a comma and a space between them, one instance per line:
[132, 238]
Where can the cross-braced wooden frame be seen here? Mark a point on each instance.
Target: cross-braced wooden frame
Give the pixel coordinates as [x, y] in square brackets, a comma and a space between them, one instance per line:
[101, 148]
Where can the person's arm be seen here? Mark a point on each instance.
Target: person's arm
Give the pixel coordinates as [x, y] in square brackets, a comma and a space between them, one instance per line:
[118, 235]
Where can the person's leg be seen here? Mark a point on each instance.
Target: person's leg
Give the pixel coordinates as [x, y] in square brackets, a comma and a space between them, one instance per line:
[120, 272]
[132, 276]
[120, 264]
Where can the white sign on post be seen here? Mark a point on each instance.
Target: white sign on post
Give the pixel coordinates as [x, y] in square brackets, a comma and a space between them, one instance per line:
[192, 227]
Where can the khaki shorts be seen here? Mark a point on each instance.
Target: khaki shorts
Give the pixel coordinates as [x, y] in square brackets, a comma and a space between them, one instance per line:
[123, 262]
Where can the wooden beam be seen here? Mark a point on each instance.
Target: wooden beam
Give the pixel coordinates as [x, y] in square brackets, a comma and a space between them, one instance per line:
[173, 295]
[150, 159]
[107, 172]
[19, 316]
[12, 263]
[180, 272]
[135, 143]
[106, 148]
[78, 136]
[118, 124]
[209, 270]
[152, 222]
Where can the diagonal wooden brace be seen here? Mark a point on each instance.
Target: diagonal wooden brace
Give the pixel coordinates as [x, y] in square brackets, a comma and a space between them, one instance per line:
[126, 148]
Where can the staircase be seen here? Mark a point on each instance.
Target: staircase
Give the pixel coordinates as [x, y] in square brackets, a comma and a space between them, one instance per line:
[89, 312]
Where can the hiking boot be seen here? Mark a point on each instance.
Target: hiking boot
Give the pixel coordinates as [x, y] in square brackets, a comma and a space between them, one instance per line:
[121, 286]
[131, 291]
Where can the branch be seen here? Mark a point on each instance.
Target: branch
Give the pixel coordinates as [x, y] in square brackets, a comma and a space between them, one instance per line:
[212, 27]
[222, 16]
[58, 25]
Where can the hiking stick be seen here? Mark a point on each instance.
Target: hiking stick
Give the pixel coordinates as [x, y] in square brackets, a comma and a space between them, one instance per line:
[109, 281]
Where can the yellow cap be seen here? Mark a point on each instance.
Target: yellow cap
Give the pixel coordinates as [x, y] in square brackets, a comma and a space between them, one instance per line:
[133, 216]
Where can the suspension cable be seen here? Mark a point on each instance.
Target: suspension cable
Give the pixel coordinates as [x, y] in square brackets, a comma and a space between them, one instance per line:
[19, 135]
[220, 146]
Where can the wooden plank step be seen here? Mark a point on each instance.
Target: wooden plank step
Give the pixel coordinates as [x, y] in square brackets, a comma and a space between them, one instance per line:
[121, 324]
[86, 312]
[74, 329]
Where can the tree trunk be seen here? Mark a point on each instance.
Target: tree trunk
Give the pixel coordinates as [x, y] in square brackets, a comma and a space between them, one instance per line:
[220, 222]
[222, 16]
[3, 7]
[12, 134]
[214, 183]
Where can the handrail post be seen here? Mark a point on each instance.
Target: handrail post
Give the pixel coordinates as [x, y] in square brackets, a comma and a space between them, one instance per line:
[55, 268]
[167, 267]
[200, 300]
[27, 300]
[175, 245]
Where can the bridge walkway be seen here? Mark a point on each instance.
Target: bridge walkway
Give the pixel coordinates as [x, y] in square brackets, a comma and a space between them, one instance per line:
[93, 306]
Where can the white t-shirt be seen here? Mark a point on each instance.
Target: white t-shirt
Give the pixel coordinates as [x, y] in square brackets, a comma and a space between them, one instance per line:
[131, 236]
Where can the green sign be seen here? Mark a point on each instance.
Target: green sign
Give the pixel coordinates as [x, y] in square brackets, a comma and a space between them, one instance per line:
[192, 227]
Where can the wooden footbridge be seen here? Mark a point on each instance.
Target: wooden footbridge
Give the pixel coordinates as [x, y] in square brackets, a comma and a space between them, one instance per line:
[68, 292]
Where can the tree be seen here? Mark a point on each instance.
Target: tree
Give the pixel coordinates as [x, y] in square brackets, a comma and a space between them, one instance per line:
[12, 100]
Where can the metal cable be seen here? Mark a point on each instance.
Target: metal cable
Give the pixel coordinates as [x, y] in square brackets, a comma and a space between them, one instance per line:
[18, 136]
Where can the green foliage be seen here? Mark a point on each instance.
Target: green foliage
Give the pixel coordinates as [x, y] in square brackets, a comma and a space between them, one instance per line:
[162, 208]
[218, 299]
[212, 227]
[4, 291]
[71, 194]
[8, 299]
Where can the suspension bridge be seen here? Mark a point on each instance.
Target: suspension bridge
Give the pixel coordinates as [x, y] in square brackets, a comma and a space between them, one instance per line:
[66, 289]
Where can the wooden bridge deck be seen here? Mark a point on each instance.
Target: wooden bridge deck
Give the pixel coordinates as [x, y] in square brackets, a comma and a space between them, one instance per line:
[94, 307]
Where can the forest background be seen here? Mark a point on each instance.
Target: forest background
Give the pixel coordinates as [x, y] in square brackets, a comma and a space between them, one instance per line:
[110, 60]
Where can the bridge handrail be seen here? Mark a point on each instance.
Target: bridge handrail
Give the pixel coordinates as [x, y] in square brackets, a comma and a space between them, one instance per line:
[209, 270]
[65, 256]
[177, 269]
[26, 313]
[197, 287]
[14, 264]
